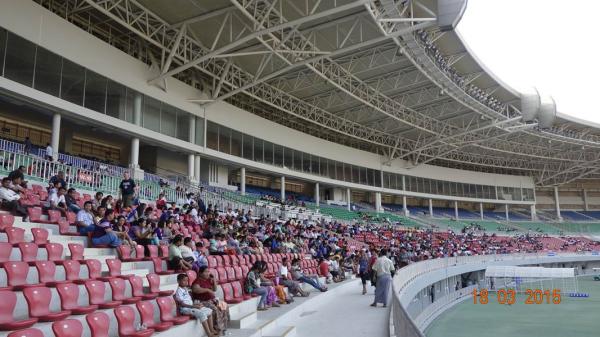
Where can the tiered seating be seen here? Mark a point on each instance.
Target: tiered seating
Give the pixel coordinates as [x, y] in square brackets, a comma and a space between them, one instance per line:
[575, 216]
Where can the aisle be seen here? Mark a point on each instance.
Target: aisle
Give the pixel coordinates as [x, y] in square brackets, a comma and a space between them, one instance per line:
[348, 315]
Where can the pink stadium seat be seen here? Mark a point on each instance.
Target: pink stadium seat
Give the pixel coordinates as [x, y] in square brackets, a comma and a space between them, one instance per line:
[53, 217]
[72, 271]
[238, 292]
[40, 236]
[214, 273]
[94, 268]
[154, 282]
[96, 290]
[26, 333]
[239, 273]
[228, 295]
[7, 307]
[230, 274]
[15, 235]
[69, 299]
[5, 251]
[146, 310]
[38, 301]
[99, 324]
[76, 250]
[46, 273]
[223, 278]
[16, 272]
[6, 221]
[212, 261]
[117, 285]
[166, 305]
[191, 276]
[139, 252]
[35, 214]
[54, 252]
[114, 270]
[67, 328]
[153, 250]
[226, 260]
[65, 229]
[137, 288]
[125, 319]
[28, 252]
[245, 270]
[164, 251]
[157, 262]
[71, 217]
[234, 260]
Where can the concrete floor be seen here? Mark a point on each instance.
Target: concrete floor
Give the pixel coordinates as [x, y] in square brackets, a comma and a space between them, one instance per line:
[348, 315]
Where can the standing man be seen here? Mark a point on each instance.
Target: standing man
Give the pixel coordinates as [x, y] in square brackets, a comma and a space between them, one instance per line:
[28, 146]
[49, 152]
[384, 268]
[127, 188]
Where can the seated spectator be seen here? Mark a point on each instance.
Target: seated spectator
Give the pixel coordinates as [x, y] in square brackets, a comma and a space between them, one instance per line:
[161, 202]
[97, 201]
[99, 215]
[71, 201]
[10, 198]
[17, 185]
[201, 260]
[204, 292]
[85, 219]
[186, 306]
[18, 173]
[142, 234]
[299, 276]
[107, 202]
[103, 233]
[187, 250]
[252, 286]
[56, 200]
[334, 268]
[176, 260]
[59, 179]
[121, 230]
[285, 279]
[324, 270]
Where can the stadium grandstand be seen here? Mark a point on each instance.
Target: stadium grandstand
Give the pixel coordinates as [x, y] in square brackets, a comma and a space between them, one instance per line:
[270, 168]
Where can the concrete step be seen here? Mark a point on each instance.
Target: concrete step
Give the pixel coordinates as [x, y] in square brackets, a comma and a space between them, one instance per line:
[242, 320]
[264, 325]
[281, 331]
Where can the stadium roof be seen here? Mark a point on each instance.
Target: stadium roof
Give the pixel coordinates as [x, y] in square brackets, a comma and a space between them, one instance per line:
[378, 75]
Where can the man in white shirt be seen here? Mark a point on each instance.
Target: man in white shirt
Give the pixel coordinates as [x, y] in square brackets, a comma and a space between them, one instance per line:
[187, 307]
[10, 199]
[85, 219]
[57, 199]
[384, 267]
[49, 152]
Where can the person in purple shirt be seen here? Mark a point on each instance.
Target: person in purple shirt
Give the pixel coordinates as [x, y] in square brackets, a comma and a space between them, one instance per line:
[103, 233]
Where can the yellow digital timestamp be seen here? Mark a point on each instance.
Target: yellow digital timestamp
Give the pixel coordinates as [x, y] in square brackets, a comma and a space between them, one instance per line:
[509, 296]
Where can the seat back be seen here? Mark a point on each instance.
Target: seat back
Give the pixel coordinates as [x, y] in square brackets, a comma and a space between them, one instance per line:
[40, 236]
[212, 261]
[226, 260]
[114, 267]
[117, 285]
[124, 252]
[76, 250]
[72, 269]
[227, 292]
[53, 216]
[191, 276]
[69, 295]
[223, 278]
[230, 273]
[7, 306]
[239, 274]
[38, 300]
[28, 251]
[139, 251]
[16, 272]
[6, 221]
[125, 319]
[5, 250]
[94, 268]
[71, 217]
[54, 251]
[31, 332]
[137, 286]
[237, 289]
[15, 234]
[146, 310]
[35, 214]
[67, 328]
[164, 250]
[166, 304]
[215, 274]
[235, 261]
[245, 270]
[63, 227]
[46, 271]
[154, 282]
[157, 262]
[99, 323]
[153, 250]
[96, 291]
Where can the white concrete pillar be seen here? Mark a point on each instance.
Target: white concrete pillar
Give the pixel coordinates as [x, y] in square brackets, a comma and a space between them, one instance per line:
[481, 210]
[243, 181]
[191, 162]
[586, 206]
[431, 208]
[348, 198]
[197, 168]
[317, 194]
[533, 213]
[283, 188]
[137, 109]
[456, 210]
[557, 202]
[135, 153]
[506, 212]
[404, 206]
[192, 129]
[378, 207]
[55, 140]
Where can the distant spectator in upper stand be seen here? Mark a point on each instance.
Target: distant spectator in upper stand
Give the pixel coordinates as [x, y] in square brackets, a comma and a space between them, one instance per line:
[97, 201]
[161, 202]
[49, 152]
[127, 188]
[85, 219]
[10, 199]
[59, 179]
[28, 146]
[103, 233]
[57, 200]
[71, 201]
[176, 260]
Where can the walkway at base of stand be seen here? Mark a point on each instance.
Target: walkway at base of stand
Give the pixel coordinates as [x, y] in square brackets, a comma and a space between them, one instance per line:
[349, 315]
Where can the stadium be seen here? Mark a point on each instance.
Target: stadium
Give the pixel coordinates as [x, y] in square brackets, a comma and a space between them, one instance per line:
[283, 168]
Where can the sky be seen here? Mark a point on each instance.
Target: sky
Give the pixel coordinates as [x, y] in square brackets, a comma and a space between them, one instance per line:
[551, 45]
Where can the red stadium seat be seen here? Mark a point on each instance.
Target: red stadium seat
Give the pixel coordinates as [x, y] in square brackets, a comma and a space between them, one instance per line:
[71, 217]
[53, 217]
[238, 292]
[153, 250]
[5, 251]
[235, 261]
[212, 261]
[28, 252]
[139, 252]
[146, 310]
[137, 288]
[72, 271]
[239, 274]
[38, 301]
[117, 285]
[54, 252]
[223, 277]
[99, 324]
[164, 251]
[16, 273]
[154, 282]
[26, 333]
[65, 229]
[76, 250]
[67, 328]
[15, 235]
[166, 305]
[230, 274]
[191, 276]
[6, 221]
[245, 270]
[125, 319]
[96, 290]
[214, 273]
[7, 307]
[158, 267]
[69, 299]
[35, 214]
[226, 260]
[40, 236]
[94, 268]
[47, 273]
[114, 270]
[228, 295]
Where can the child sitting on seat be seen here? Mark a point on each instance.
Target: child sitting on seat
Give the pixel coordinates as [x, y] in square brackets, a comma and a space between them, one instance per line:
[186, 306]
